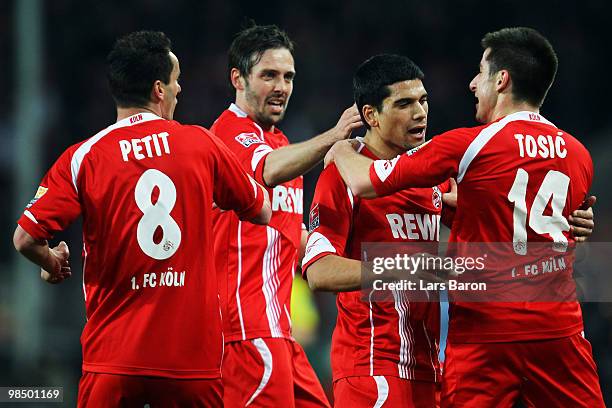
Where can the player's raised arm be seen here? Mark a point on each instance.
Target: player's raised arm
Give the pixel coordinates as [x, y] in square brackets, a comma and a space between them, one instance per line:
[236, 190]
[428, 165]
[353, 167]
[291, 161]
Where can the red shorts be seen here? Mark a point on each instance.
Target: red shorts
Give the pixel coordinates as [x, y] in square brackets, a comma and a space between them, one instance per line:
[269, 372]
[383, 391]
[114, 390]
[547, 373]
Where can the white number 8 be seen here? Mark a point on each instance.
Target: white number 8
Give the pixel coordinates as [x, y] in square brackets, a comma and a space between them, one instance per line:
[157, 215]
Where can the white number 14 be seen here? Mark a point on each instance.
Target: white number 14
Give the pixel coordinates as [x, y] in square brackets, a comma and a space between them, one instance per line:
[554, 185]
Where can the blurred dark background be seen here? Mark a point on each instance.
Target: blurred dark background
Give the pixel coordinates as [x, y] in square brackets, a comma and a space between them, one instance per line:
[53, 60]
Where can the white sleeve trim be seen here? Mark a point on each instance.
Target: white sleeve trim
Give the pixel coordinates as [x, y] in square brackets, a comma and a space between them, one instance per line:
[383, 168]
[259, 154]
[28, 214]
[316, 245]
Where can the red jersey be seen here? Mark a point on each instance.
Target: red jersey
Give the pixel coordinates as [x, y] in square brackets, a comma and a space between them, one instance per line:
[397, 338]
[519, 179]
[255, 264]
[145, 187]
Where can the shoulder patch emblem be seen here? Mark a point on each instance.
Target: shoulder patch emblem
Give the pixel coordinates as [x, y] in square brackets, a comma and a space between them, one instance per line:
[39, 193]
[314, 218]
[248, 139]
[436, 197]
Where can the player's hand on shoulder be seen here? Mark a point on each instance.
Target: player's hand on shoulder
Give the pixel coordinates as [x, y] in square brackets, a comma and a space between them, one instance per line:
[450, 198]
[350, 144]
[61, 269]
[349, 121]
[581, 220]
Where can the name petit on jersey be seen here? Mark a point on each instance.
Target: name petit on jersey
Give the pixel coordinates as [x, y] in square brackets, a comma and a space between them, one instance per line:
[148, 146]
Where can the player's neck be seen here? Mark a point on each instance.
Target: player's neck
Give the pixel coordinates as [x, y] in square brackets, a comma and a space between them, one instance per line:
[507, 106]
[378, 147]
[123, 113]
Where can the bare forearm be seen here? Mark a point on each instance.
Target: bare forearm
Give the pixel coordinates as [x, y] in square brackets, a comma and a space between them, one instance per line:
[355, 170]
[36, 251]
[291, 161]
[294, 160]
[334, 273]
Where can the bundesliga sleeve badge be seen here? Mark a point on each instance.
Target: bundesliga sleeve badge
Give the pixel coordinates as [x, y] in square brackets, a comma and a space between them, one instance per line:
[39, 193]
[314, 218]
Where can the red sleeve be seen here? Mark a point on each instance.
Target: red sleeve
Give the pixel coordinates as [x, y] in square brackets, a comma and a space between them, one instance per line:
[331, 216]
[246, 140]
[56, 203]
[431, 164]
[448, 213]
[235, 189]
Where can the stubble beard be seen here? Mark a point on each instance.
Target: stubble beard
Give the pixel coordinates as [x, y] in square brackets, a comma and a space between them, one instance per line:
[261, 117]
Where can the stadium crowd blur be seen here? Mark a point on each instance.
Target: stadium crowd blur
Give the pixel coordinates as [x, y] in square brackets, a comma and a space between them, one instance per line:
[332, 38]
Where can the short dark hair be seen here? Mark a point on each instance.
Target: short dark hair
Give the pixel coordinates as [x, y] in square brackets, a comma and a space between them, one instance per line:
[250, 44]
[528, 57]
[373, 77]
[136, 61]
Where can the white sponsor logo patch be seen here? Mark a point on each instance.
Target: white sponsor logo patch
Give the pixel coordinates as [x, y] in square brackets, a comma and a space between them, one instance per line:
[247, 139]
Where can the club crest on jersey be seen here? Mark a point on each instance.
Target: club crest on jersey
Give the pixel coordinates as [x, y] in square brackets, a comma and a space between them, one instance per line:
[436, 197]
[314, 218]
[247, 139]
[39, 193]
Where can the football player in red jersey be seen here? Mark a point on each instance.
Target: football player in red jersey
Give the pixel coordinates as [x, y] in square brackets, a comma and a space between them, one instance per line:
[256, 265]
[145, 187]
[502, 352]
[384, 353]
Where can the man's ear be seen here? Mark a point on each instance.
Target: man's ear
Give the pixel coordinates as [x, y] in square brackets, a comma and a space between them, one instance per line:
[237, 79]
[370, 114]
[502, 80]
[157, 91]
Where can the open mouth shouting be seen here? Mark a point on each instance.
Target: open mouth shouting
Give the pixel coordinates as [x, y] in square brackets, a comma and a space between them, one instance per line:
[277, 105]
[418, 132]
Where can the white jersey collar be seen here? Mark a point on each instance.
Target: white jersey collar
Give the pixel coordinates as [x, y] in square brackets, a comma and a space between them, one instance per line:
[136, 119]
[528, 116]
[237, 111]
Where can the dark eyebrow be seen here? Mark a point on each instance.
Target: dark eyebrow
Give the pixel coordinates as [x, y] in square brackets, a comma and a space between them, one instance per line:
[408, 101]
[403, 101]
